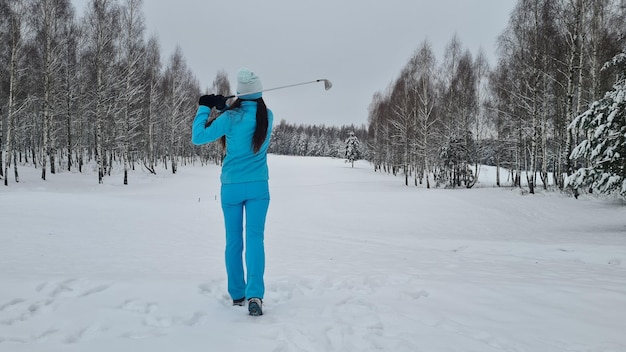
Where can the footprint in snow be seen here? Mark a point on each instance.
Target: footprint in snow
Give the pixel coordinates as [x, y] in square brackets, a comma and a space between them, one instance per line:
[95, 290]
[139, 307]
[11, 304]
[40, 338]
[28, 312]
[196, 319]
[417, 294]
[216, 290]
[84, 334]
[72, 287]
[159, 322]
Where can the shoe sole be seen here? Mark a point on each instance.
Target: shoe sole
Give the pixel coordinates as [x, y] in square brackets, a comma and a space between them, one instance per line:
[239, 302]
[254, 309]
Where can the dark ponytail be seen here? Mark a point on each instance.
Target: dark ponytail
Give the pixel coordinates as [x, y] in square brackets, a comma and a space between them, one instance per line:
[260, 133]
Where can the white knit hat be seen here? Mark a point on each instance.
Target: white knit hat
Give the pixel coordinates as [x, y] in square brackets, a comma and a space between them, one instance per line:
[248, 82]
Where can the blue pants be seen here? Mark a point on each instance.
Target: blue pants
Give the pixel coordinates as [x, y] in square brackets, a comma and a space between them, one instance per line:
[253, 199]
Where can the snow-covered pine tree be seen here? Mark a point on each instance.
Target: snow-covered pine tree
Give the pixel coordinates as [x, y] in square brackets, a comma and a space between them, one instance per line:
[353, 151]
[604, 124]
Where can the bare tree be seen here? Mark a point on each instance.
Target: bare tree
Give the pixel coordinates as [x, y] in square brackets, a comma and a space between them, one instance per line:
[153, 100]
[17, 32]
[404, 120]
[573, 24]
[133, 53]
[90, 89]
[482, 116]
[69, 88]
[4, 33]
[49, 18]
[447, 71]
[376, 137]
[426, 99]
[460, 107]
[381, 125]
[526, 46]
[180, 92]
[101, 30]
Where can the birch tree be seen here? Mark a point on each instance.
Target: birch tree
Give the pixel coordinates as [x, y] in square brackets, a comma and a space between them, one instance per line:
[380, 132]
[69, 90]
[447, 71]
[526, 45]
[132, 56]
[153, 100]
[458, 144]
[17, 32]
[181, 92]
[481, 117]
[49, 18]
[101, 28]
[426, 97]
[4, 35]
[403, 120]
[573, 23]
[502, 119]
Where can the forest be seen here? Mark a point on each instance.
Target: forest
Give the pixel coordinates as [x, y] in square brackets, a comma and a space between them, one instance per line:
[94, 89]
[560, 65]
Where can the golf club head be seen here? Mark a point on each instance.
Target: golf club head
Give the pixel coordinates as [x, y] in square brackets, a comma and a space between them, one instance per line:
[327, 84]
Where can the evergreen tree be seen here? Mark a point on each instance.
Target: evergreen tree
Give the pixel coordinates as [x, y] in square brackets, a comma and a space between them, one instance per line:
[353, 150]
[457, 156]
[604, 124]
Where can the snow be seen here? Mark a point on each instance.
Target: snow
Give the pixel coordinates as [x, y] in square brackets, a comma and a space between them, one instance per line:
[356, 261]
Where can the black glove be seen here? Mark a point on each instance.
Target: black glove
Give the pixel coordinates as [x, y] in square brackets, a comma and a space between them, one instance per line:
[213, 101]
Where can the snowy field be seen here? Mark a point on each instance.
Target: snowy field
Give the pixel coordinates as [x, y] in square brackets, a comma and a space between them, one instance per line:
[355, 262]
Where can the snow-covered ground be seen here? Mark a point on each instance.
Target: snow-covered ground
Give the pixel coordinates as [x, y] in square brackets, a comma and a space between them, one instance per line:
[355, 262]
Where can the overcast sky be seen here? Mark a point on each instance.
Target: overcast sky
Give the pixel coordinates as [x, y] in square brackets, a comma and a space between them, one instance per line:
[359, 45]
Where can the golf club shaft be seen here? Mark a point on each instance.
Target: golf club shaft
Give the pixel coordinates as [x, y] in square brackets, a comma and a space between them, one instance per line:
[327, 86]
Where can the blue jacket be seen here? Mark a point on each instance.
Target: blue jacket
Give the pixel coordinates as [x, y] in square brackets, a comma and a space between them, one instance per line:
[241, 164]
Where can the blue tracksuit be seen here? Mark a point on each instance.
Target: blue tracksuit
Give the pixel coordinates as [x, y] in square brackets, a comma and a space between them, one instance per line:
[244, 187]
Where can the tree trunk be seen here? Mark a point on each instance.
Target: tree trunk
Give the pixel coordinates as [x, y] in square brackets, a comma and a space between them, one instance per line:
[68, 126]
[48, 15]
[13, 79]
[1, 148]
[99, 136]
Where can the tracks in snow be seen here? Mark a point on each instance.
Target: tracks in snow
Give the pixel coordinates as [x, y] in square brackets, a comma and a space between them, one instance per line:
[306, 314]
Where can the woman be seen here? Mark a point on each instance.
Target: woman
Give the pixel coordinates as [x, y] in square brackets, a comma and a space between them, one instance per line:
[245, 127]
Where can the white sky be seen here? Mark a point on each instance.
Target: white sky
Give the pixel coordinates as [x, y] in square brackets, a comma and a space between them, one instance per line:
[360, 46]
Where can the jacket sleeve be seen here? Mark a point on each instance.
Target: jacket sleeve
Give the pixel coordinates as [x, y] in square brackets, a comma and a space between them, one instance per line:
[202, 135]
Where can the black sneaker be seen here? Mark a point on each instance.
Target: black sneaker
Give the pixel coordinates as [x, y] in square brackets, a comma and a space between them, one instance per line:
[239, 302]
[255, 306]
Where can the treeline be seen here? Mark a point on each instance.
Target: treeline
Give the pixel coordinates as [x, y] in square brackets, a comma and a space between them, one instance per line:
[90, 88]
[297, 140]
[438, 120]
[307, 140]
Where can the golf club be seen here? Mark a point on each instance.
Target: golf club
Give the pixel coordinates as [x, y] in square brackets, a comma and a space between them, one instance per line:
[327, 86]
